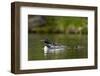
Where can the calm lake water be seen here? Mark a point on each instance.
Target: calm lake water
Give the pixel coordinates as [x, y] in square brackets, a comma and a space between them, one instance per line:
[75, 46]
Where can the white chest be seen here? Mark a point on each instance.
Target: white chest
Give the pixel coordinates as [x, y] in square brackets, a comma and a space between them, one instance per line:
[45, 49]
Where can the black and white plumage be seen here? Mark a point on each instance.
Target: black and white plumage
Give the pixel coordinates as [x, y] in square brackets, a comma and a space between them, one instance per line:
[51, 46]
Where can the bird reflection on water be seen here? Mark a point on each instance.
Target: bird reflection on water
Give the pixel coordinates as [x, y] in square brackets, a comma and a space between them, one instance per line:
[52, 49]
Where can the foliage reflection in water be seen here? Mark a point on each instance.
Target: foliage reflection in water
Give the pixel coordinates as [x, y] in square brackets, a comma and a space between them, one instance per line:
[75, 47]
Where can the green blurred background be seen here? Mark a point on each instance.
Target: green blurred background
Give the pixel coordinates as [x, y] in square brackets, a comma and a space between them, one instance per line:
[66, 30]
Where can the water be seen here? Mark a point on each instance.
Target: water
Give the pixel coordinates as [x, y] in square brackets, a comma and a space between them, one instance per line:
[76, 46]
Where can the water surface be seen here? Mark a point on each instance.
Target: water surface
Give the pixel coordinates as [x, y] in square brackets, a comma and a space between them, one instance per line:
[76, 46]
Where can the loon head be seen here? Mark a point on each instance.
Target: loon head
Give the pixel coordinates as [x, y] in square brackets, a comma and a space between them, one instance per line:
[46, 41]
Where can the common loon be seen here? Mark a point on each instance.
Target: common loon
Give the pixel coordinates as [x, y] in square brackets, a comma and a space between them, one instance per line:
[52, 47]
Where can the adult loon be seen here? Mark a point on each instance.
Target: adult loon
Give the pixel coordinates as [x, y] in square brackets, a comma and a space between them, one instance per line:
[52, 47]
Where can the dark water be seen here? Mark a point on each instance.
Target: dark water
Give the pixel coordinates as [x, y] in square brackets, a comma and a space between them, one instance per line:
[76, 46]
